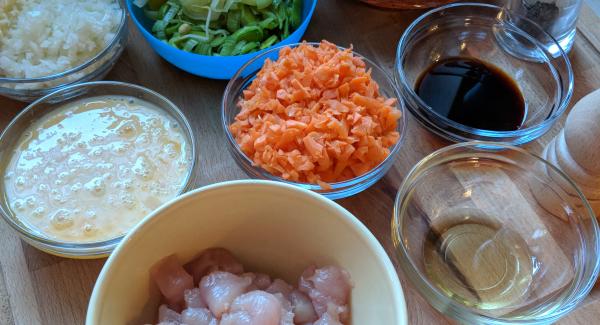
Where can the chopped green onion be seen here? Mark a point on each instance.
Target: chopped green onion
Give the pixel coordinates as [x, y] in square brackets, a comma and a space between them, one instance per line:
[204, 49]
[268, 23]
[163, 10]
[173, 10]
[218, 41]
[249, 34]
[173, 28]
[239, 47]
[189, 45]
[295, 13]
[222, 27]
[233, 20]
[249, 47]
[228, 46]
[248, 17]
[268, 42]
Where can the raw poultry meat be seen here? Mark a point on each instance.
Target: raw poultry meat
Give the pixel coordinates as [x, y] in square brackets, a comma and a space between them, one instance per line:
[213, 289]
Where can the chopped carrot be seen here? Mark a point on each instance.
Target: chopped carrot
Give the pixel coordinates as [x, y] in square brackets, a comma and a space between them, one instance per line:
[316, 116]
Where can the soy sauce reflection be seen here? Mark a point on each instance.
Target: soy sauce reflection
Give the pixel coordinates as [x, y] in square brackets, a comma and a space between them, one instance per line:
[473, 93]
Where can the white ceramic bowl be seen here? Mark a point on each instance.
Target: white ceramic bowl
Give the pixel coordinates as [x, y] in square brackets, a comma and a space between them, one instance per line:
[271, 227]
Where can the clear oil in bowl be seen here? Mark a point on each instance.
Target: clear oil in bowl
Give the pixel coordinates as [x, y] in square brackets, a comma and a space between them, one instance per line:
[478, 262]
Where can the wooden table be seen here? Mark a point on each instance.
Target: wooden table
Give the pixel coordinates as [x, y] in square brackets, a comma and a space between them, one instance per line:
[37, 288]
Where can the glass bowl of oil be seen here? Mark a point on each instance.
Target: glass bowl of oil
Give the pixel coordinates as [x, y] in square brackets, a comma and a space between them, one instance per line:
[471, 71]
[491, 234]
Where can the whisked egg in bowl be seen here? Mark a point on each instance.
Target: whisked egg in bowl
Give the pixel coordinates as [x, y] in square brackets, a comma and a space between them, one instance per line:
[79, 174]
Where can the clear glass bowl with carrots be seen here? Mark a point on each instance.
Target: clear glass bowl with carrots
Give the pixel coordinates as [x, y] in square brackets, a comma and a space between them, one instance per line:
[314, 115]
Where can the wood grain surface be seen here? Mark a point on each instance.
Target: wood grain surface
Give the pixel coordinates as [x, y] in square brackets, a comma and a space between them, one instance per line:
[37, 288]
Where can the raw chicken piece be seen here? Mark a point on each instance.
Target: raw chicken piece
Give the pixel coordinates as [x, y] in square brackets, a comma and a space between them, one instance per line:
[262, 281]
[327, 319]
[252, 277]
[254, 308]
[198, 316]
[326, 285]
[303, 309]
[332, 316]
[193, 299]
[172, 280]
[167, 315]
[213, 259]
[280, 286]
[219, 289]
[287, 316]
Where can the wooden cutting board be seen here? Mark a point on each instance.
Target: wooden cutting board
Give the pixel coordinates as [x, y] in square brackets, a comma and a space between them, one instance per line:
[37, 288]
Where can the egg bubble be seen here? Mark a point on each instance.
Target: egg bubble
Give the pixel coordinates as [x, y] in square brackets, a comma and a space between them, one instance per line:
[61, 219]
[31, 201]
[91, 214]
[63, 175]
[20, 182]
[154, 122]
[127, 129]
[43, 188]
[59, 199]
[96, 152]
[121, 148]
[89, 229]
[38, 212]
[19, 205]
[96, 186]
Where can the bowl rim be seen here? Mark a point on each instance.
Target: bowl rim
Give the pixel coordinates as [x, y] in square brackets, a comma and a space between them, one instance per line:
[146, 33]
[97, 248]
[401, 79]
[430, 292]
[100, 289]
[120, 32]
[402, 122]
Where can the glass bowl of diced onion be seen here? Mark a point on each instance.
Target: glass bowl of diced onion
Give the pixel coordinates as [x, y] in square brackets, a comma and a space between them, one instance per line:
[30, 85]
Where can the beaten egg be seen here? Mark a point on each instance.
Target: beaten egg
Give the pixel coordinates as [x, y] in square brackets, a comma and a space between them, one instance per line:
[93, 169]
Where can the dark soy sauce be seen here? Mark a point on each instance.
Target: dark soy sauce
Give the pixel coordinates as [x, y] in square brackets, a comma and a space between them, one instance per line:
[473, 93]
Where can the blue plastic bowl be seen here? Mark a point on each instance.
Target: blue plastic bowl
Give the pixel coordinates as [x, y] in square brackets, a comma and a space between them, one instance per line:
[214, 67]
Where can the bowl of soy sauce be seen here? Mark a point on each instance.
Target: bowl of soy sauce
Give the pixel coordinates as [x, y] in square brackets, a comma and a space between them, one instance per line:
[471, 71]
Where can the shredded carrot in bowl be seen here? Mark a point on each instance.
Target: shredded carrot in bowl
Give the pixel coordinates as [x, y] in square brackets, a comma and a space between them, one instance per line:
[316, 116]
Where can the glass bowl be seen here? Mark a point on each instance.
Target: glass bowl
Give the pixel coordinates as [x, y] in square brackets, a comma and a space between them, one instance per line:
[491, 234]
[95, 68]
[489, 33]
[229, 110]
[55, 101]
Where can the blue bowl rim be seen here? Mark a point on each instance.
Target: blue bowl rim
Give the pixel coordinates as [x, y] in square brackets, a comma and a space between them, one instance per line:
[247, 56]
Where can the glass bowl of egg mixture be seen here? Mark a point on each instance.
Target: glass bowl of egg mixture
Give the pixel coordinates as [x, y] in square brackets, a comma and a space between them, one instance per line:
[315, 115]
[78, 174]
[47, 45]
[471, 71]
